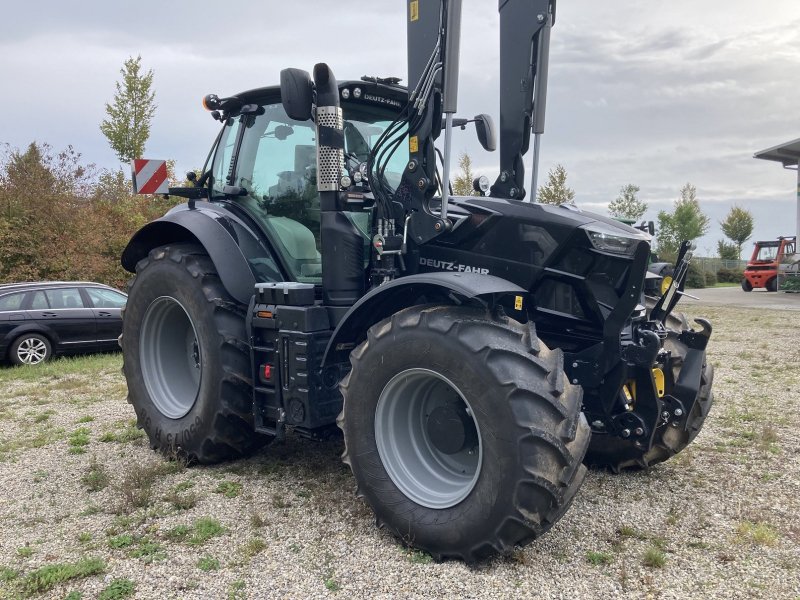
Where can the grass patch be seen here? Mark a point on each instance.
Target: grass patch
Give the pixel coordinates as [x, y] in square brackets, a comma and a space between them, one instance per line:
[86, 419]
[759, 533]
[181, 501]
[204, 529]
[8, 574]
[136, 487]
[148, 551]
[598, 558]
[95, 477]
[47, 577]
[123, 540]
[84, 537]
[25, 551]
[208, 563]
[256, 520]
[654, 557]
[55, 371]
[179, 533]
[252, 547]
[418, 557]
[229, 489]
[130, 433]
[78, 440]
[118, 588]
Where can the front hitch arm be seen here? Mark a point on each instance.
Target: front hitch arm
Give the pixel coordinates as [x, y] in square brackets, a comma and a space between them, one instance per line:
[669, 299]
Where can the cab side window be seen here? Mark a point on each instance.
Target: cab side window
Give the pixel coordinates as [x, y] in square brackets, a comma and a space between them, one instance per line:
[11, 301]
[39, 302]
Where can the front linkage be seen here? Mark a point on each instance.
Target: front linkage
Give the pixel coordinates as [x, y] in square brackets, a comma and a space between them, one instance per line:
[652, 403]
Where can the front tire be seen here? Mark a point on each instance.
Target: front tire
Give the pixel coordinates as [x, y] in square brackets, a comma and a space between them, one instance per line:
[30, 349]
[186, 359]
[746, 285]
[772, 285]
[461, 430]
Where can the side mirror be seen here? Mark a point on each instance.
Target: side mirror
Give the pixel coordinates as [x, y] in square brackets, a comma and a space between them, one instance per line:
[297, 94]
[484, 125]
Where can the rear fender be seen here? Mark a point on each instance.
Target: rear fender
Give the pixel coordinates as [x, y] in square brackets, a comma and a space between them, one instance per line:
[384, 301]
[226, 238]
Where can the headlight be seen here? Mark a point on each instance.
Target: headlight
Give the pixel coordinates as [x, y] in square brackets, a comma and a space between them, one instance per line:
[611, 239]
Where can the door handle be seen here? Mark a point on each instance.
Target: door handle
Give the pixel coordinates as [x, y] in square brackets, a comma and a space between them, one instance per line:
[49, 314]
[103, 313]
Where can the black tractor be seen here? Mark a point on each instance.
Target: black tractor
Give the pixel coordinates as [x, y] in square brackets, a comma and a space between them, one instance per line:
[475, 351]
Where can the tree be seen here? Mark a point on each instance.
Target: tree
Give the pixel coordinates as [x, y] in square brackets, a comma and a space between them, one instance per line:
[685, 223]
[127, 127]
[462, 184]
[555, 191]
[627, 205]
[727, 251]
[738, 227]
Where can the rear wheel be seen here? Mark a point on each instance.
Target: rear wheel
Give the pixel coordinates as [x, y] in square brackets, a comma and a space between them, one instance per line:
[30, 349]
[746, 285]
[615, 453]
[186, 358]
[462, 431]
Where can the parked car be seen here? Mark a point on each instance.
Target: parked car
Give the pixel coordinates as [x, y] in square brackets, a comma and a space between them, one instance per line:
[42, 319]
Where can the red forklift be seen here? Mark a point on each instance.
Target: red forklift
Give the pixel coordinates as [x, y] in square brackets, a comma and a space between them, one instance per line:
[763, 267]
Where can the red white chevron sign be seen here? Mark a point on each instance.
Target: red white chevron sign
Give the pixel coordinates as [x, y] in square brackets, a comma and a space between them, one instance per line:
[149, 176]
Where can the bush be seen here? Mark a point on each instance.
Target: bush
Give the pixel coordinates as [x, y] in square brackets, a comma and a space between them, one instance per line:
[696, 278]
[729, 275]
[711, 278]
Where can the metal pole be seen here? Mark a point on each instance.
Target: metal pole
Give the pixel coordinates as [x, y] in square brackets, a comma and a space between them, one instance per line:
[535, 169]
[797, 227]
[448, 132]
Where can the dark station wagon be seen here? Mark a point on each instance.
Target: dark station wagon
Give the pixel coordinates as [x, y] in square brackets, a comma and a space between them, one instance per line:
[42, 319]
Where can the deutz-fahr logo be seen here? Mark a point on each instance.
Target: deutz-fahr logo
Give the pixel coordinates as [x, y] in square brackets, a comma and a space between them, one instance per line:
[444, 265]
[383, 100]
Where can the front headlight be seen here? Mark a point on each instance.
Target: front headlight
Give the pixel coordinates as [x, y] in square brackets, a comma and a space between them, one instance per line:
[610, 239]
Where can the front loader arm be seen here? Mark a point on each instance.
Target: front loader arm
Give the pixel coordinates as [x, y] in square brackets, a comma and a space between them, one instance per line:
[524, 45]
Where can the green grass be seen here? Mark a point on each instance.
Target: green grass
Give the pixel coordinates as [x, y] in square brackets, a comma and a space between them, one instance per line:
[759, 533]
[204, 529]
[47, 577]
[25, 551]
[148, 551]
[179, 533]
[124, 540]
[118, 588]
[86, 419]
[95, 477]
[78, 440]
[208, 563]
[598, 558]
[654, 557]
[252, 547]
[8, 574]
[229, 489]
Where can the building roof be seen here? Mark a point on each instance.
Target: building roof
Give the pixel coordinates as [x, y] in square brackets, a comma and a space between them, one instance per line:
[787, 153]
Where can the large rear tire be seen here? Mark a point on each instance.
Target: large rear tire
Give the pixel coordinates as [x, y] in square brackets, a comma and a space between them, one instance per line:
[186, 359]
[617, 454]
[462, 431]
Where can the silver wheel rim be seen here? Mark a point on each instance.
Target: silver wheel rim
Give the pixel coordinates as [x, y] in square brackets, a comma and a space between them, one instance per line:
[420, 470]
[170, 356]
[31, 351]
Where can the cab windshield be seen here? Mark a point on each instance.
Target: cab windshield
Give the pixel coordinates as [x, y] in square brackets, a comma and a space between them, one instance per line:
[276, 170]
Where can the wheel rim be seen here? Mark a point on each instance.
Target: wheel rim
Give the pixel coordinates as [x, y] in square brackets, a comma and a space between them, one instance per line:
[32, 351]
[171, 357]
[431, 470]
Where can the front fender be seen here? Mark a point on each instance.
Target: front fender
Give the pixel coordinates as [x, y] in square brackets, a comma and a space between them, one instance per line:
[225, 237]
[387, 299]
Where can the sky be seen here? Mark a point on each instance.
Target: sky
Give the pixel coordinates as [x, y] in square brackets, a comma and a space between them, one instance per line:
[647, 92]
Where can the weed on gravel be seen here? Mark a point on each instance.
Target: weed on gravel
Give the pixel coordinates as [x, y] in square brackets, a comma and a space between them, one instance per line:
[118, 588]
[49, 576]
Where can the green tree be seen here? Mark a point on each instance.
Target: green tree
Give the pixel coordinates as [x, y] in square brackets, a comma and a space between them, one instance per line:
[556, 191]
[627, 205]
[127, 127]
[738, 227]
[685, 223]
[727, 251]
[462, 184]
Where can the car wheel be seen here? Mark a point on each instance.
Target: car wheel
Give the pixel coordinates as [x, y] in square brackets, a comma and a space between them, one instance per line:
[31, 349]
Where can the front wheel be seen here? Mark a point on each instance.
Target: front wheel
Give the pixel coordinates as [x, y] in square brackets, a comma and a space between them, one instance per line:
[30, 349]
[772, 285]
[186, 359]
[462, 431]
[746, 285]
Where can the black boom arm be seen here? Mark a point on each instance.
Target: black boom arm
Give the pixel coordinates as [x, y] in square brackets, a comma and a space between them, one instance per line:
[524, 44]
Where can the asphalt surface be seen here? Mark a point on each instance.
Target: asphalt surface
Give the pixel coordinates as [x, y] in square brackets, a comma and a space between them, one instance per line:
[735, 296]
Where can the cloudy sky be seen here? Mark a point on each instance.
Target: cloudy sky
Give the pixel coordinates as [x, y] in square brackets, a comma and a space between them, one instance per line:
[647, 92]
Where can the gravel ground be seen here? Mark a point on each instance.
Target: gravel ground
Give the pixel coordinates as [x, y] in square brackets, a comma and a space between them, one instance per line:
[720, 520]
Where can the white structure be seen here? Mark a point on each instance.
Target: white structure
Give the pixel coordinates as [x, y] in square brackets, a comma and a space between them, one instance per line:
[789, 155]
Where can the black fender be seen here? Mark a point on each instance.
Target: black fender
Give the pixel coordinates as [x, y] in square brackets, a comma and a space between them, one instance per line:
[227, 239]
[383, 301]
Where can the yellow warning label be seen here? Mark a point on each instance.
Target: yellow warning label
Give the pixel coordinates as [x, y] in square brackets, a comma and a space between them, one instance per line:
[413, 144]
[518, 303]
[414, 10]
